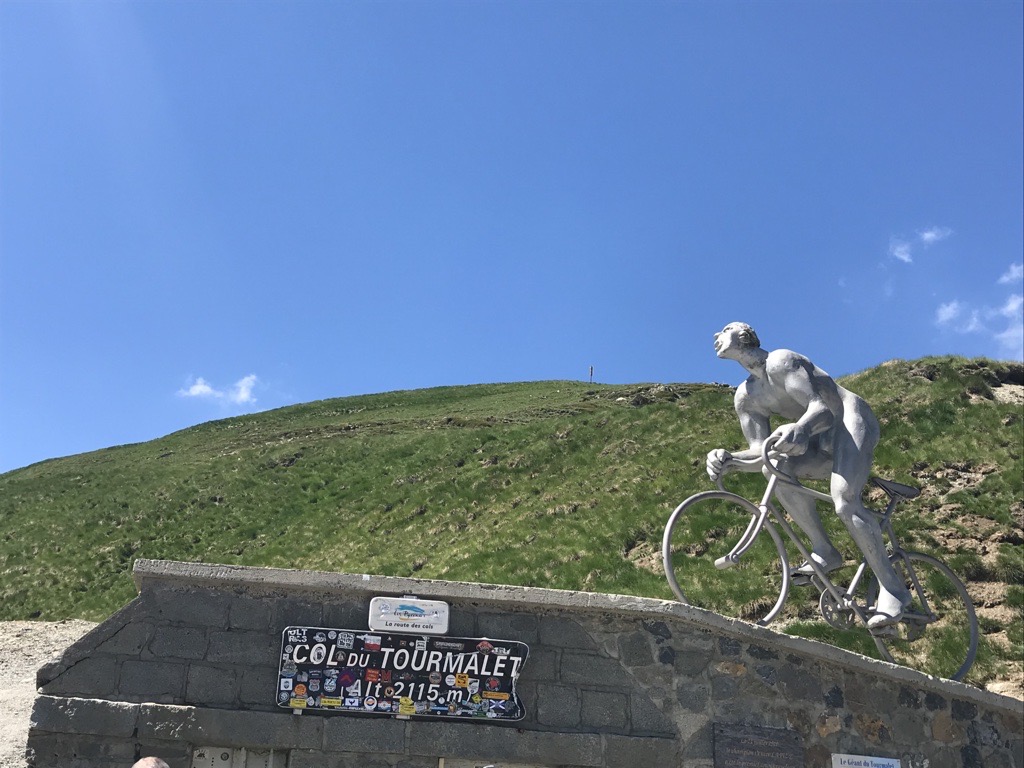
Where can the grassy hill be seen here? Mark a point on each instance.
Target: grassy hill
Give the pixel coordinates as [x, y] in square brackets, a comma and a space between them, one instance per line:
[555, 484]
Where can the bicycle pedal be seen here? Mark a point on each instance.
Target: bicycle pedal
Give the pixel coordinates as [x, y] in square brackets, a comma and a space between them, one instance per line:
[886, 631]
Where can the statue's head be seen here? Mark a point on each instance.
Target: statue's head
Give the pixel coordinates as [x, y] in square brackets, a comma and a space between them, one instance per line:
[735, 337]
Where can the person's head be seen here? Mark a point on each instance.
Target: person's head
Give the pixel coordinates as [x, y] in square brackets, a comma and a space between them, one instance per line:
[735, 337]
[150, 762]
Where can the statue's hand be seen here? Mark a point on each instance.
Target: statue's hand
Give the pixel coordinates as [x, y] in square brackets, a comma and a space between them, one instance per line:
[718, 459]
[793, 439]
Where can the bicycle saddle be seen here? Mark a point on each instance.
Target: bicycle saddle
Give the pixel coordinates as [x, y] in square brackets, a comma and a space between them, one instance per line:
[896, 489]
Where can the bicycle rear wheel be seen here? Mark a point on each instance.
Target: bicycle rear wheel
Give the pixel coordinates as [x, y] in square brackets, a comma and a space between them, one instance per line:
[705, 528]
[939, 631]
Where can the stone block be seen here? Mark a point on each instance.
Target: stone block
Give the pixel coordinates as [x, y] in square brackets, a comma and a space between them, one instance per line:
[693, 698]
[647, 719]
[483, 742]
[799, 684]
[230, 728]
[318, 759]
[253, 614]
[51, 750]
[462, 623]
[130, 640]
[244, 648]
[364, 734]
[558, 706]
[541, 666]
[632, 751]
[292, 612]
[509, 626]
[92, 676]
[635, 649]
[964, 710]
[558, 632]
[587, 669]
[692, 661]
[211, 686]
[191, 607]
[604, 712]
[152, 681]
[727, 646]
[258, 688]
[346, 615]
[179, 643]
[84, 716]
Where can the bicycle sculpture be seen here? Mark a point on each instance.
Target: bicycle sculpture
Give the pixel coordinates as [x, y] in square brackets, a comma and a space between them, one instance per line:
[915, 608]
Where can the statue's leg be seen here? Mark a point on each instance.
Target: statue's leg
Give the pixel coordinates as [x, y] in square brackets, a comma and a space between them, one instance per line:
[853, 448]
[802, 509]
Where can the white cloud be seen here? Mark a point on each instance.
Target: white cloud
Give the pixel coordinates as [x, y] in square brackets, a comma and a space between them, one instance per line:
[239, 394]
[1013, 274]
[934, 235]
[1003, 324]
[901, 250]
[1012, 307]
[948, 312]
[199, 388]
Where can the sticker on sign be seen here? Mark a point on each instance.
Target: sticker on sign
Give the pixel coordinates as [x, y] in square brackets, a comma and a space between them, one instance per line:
[864, 761]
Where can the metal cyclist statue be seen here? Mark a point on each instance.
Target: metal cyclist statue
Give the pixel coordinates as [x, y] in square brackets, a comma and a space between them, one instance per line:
[830, 433]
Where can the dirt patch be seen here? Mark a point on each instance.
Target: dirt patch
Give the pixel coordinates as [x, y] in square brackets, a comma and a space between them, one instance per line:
[24, 647]
[645, 555]
[1009, 393]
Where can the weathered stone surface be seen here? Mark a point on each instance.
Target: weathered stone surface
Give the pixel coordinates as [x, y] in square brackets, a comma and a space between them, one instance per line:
[364, 734]
[523, 627]
[647, 719]
[630, 752]
[228, 728]
[558, 632]
[587, 669]
[604, 712]
[252, 614]
[211, 686]
[243, 648]
[558, 706]
[93, 676]
[635, 649]
[84, 716]
[192, 607]
[152, 681]
[179, 643]
[456, 740]
[130, 640]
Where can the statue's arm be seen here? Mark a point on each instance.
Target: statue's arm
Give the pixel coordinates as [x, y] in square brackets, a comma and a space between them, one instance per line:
[756, 428]
[810, 391]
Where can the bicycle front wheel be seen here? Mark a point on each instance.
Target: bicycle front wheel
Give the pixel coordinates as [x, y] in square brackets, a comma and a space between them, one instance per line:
[939, 631]
[707, 527]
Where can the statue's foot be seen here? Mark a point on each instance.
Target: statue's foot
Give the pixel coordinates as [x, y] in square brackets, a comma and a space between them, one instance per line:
[888, 610]
[804, 574]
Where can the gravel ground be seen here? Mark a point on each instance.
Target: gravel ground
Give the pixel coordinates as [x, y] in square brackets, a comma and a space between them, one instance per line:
[24, 647]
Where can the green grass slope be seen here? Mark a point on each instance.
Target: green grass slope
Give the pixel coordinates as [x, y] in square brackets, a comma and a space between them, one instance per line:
[555, 484]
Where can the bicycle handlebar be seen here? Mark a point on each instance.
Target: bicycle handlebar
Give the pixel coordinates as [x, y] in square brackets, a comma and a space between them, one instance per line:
[766, 457]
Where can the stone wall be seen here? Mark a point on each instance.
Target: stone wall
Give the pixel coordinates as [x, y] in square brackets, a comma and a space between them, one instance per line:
[610, 681]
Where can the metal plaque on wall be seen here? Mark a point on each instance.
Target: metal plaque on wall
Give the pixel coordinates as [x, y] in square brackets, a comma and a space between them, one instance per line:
[744, 746]
[347, 670]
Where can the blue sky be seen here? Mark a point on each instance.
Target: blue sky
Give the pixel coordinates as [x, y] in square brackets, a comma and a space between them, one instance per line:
[212, 208]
